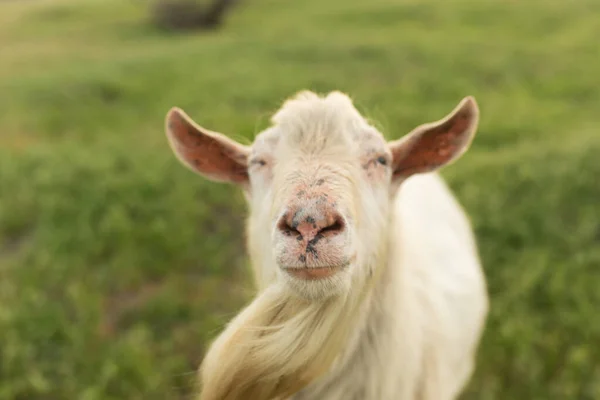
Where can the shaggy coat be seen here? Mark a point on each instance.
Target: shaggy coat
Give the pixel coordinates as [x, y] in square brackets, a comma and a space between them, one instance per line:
[369, 284]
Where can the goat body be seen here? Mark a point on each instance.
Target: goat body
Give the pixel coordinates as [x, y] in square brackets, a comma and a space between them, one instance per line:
[417, 335]
[369, 280]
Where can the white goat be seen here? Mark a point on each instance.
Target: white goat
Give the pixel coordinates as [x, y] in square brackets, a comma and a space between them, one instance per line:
[369, 283]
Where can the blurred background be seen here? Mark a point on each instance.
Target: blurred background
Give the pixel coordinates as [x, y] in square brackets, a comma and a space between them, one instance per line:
[117, 265]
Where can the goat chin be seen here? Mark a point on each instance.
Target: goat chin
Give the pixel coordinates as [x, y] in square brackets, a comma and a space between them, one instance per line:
[277, 345]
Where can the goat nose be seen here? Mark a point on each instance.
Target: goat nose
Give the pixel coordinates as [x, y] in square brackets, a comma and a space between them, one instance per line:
[308, 226]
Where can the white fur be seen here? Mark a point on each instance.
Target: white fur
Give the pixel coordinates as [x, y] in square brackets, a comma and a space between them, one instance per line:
[417, 335]
[403, 316]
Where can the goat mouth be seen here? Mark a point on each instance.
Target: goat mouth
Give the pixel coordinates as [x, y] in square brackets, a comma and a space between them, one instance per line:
[306, 273]
[314, 273]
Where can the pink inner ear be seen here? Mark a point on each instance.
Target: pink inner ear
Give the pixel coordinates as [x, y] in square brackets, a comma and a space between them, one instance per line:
[205, 152]
[434, 145]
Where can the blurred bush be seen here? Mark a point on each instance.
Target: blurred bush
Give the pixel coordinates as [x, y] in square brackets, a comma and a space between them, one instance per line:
[189, 14]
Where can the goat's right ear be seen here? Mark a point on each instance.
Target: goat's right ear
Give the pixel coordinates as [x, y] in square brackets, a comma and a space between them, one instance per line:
[210, 154]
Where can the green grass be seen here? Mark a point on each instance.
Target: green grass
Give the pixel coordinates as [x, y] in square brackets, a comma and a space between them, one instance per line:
[117, 265]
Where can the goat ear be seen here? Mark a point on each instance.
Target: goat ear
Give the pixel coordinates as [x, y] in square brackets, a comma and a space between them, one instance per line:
[433, 145]
[210, 154]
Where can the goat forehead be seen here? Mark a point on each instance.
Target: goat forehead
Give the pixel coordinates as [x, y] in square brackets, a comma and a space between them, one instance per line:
[309, 123]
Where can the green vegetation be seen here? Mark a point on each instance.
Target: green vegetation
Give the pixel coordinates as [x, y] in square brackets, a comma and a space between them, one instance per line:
[117, 264]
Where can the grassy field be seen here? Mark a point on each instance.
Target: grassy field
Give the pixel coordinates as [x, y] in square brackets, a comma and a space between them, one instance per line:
[117, 264]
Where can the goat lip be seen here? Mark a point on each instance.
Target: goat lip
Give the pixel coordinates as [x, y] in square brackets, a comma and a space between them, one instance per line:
[307, 273]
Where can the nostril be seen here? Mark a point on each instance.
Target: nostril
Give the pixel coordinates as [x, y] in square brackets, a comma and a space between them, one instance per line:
[287, 228]
[335, 228]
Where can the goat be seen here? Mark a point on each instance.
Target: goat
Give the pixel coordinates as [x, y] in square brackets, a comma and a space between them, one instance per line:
[369, 282]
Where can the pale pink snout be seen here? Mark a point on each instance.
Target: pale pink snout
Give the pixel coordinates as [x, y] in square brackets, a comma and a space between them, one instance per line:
[315, 240]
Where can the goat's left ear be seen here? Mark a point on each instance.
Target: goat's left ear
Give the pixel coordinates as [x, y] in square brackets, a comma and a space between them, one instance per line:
[209, 154]
[434, 145]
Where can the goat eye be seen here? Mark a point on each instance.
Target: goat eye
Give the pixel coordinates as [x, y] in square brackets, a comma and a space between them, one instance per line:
[259, 162]
[381, 160]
